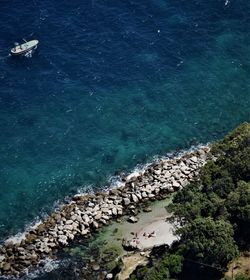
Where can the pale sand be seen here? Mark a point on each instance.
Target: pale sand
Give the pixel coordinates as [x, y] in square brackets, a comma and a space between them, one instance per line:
[154, 221]
[148, 222]
[163, 234]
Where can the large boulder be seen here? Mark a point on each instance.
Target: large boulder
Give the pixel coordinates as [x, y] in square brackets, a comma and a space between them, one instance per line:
[134, 198]
[62, 239]
[95, 225]
[114, 211]
[98, 216]
[126, 201]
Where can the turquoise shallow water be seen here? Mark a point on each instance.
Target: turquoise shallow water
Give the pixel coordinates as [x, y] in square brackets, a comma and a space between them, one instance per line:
[120, 84]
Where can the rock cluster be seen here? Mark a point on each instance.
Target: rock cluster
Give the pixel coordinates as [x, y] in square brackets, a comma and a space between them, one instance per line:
[87, 213]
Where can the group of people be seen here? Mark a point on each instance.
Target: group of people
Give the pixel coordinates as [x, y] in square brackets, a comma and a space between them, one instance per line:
[148, 235]
[135, 241]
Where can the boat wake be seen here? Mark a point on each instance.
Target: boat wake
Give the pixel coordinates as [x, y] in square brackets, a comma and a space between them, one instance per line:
[29, 53]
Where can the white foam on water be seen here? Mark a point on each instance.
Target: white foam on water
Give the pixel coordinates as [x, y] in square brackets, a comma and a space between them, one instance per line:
[49, 265]
[118, 181]
[17, 238]
[114, 182]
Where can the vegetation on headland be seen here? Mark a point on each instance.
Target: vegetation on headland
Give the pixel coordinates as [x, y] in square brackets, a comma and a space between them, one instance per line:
[212, 217]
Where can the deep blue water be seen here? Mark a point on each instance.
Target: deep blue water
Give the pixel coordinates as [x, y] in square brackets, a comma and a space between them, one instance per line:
[112, 84]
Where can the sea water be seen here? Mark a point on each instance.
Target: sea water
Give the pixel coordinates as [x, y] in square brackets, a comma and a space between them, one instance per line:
[111, 85]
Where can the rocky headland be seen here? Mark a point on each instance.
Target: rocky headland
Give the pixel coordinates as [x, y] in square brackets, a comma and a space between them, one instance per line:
[87, 213]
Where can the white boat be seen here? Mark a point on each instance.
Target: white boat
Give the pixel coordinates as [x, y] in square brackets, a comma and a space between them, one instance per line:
[24, 48]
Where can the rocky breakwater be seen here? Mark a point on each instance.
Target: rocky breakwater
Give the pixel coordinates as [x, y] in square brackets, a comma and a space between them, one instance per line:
[86, 213]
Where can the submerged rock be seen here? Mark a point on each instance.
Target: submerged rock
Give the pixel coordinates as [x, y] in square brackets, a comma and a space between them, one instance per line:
[134, 198]
[132, 219]
[147, 209]
[95, 266]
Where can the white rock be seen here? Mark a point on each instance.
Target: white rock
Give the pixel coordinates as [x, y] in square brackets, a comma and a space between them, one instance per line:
[95, 224]
[79, 219]
[134, 198]
[194, 159]
[74, 217]
[177, 175]
[62, 239]
[176, 184]
[126, 200]
[105, 210]
[132, 219]
[185, 170]
[144, 194]
[105, 217]
[78, 212]
[103, 221]
[164, 186]
[75, 225]
[86, 219]
[157, 190]
[109, 276]
[104, 205]
[96, 208]
[98, 216]
[60, 227]
[84, 231]
[71, 236]
[139, 196]
[68, 227]
[157, 172]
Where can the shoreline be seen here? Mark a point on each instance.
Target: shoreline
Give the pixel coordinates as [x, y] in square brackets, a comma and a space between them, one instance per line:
[86, 213]
[112, 182]
[112, 254]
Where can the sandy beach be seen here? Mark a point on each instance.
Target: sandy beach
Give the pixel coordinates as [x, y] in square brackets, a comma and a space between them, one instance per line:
[138, 207]
[156, 233]
[154, 221]
[148, 222]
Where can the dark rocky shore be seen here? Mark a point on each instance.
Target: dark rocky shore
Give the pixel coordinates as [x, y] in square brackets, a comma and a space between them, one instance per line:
[87, 213]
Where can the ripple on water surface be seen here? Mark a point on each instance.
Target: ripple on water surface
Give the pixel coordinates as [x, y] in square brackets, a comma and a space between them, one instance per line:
[109, 87]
